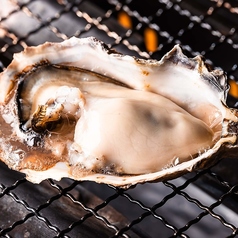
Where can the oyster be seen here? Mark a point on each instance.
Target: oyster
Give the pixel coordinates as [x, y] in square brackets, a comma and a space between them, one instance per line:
[78, 109]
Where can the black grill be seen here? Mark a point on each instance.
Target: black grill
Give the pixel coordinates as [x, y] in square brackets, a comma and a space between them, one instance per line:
[201, 204]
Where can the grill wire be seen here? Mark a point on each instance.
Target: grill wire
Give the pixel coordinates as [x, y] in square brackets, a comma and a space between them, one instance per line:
[201, 204]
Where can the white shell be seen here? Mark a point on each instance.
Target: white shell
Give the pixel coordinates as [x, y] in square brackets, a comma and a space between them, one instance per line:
[125, 120]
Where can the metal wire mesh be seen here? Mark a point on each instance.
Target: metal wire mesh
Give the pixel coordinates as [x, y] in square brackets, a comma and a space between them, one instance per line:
[202, 204]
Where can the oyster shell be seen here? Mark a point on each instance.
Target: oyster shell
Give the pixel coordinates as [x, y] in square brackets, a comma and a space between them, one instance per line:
[78, 109]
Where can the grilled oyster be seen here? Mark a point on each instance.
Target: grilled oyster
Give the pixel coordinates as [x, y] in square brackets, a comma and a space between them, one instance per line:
[78, 109]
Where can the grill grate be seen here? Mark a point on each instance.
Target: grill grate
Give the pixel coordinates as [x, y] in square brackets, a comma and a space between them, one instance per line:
[202, 204]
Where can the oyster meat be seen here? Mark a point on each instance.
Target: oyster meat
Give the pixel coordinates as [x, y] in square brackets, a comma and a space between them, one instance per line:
[78, 109]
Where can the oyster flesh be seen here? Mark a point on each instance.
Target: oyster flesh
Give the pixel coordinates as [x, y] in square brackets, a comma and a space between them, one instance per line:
[80, 110]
